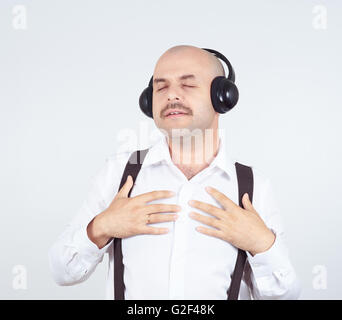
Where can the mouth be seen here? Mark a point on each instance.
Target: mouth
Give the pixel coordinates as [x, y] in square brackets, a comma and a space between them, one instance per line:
[175, 114]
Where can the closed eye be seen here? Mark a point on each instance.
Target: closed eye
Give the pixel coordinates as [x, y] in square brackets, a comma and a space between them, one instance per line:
[184, 85]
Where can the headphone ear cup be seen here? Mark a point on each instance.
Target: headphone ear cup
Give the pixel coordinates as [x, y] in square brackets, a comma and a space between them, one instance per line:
[145, 102]
[224, 94]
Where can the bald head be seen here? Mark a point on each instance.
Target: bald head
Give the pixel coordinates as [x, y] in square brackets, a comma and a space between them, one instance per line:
[182, 81]
[206, 59]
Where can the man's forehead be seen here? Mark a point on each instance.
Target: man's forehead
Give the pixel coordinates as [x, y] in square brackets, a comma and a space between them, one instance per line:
[181, 71]
[191, 76]
[177, 61]
[180, 64]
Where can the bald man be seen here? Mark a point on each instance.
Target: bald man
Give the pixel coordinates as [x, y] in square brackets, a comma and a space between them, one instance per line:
[181, 226]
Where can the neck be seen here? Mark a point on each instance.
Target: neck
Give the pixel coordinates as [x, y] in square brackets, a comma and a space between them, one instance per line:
[193, 153]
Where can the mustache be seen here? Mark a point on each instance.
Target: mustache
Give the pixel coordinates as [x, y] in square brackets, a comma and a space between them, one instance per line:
[175, 105]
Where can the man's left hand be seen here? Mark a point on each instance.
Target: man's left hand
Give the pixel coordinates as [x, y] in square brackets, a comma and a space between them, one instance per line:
[243, 228]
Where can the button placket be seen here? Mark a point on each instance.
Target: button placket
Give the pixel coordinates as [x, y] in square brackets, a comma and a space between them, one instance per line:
[177, 267]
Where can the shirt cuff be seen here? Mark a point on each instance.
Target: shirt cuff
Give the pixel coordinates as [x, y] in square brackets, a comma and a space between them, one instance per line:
[86, 247]
[274, 260]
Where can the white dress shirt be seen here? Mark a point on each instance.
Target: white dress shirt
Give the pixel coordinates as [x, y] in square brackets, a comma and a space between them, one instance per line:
[183, 263]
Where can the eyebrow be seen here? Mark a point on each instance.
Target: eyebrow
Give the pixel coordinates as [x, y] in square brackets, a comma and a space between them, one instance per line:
[183, 77]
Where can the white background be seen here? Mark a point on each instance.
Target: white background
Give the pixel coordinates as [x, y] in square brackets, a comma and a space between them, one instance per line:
[70, 83]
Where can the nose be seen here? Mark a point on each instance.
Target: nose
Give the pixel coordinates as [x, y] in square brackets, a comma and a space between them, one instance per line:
[172, 93]
[170, 98]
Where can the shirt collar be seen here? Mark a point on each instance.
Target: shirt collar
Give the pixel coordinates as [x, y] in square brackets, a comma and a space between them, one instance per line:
[222, 159]
[159, 152]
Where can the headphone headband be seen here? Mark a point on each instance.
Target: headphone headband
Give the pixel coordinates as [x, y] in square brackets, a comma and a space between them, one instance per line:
[231, 75]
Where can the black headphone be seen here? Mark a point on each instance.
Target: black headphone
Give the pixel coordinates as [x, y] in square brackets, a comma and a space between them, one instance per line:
[223, 91]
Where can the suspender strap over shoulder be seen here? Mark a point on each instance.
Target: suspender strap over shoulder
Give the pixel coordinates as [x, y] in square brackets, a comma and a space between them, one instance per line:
[132, 168]
[245, 184]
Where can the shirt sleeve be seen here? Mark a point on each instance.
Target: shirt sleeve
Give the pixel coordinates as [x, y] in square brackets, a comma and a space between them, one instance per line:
[273, 276]
[73, 256]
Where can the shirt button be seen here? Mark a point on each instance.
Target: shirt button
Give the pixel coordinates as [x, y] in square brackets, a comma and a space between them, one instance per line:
[282, 272]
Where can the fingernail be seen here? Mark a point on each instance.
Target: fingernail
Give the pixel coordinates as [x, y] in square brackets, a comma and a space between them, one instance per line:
[175, 217]
[208, 188]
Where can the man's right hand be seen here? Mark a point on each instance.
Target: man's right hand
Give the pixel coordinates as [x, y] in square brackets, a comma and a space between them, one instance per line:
[129, 216]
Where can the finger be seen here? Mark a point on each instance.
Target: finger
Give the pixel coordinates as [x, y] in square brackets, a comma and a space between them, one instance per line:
[213, 222]
[123, 192]
[210, 232]
[161, 207]
[206, 207]
[153, 230]
[247, 203]
[159, 217]
[154, 195]
[227, 203]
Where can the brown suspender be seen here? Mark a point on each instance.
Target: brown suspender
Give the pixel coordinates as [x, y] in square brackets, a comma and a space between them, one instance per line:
[245, 184]
[132, 168]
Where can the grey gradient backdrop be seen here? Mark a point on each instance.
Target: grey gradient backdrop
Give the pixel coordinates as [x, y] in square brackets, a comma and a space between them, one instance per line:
[70, 84]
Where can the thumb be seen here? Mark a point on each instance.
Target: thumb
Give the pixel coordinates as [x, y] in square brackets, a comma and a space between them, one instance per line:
[247, 203]
[123, 193]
